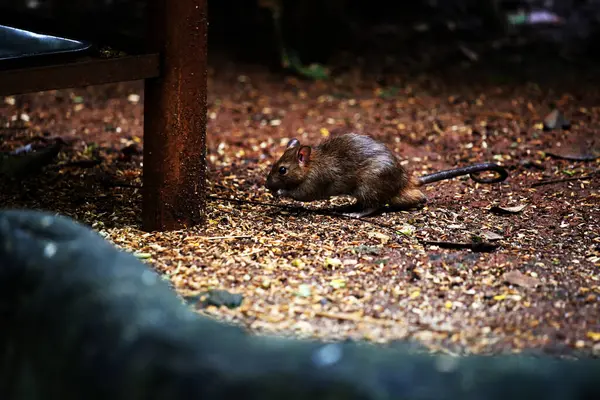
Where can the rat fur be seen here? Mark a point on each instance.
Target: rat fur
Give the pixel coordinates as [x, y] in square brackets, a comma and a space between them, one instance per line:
[355, 165]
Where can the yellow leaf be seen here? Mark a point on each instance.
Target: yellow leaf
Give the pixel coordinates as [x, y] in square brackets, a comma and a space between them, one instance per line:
[297, 262]
[500, 297]
[332, 262]
[415, 294]
[448, 304]
[384, 238]
[324, 132]
[338, 283]
[595, 336]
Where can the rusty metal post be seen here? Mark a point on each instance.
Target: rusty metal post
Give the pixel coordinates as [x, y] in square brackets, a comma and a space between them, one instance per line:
[175, 117]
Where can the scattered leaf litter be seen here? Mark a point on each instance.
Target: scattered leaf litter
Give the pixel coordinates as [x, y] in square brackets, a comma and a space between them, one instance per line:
[312, 275]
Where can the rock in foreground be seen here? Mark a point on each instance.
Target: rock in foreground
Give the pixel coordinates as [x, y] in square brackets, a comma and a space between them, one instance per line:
[83, 320]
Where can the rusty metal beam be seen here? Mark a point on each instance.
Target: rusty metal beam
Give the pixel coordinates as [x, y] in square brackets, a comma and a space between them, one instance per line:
[77, 73]
[174, 169]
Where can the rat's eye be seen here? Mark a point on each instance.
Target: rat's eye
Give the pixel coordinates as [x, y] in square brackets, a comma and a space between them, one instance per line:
[282, 170]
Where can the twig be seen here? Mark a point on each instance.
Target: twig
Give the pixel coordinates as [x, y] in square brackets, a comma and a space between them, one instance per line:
[351, 317]
[575, 178]
[81, 163]
[226, 237]
[256, 203]
[252, 253]
[497, 114]
[108, 183]
[477, 247]
[340, 316]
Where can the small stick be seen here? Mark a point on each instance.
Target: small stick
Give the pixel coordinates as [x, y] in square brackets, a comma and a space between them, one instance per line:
[352, 318]
[120, 184]
[497, 114]
[340, 316]
[226, 237]
[256, 203]
[576, 178]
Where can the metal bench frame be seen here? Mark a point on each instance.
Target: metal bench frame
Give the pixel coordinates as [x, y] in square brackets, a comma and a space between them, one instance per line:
[173, 67]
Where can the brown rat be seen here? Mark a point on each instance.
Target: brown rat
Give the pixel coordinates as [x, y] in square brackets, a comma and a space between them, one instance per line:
[358, 166]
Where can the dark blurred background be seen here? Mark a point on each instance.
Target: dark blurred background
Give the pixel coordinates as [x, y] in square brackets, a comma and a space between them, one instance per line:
[334, 31]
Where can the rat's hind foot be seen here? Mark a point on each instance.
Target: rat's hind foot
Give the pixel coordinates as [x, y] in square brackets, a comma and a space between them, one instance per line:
[359, 214]
[411, 198]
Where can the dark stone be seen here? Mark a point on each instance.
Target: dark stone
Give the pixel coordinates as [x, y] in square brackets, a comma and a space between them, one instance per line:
[556, 120]
[217, 298]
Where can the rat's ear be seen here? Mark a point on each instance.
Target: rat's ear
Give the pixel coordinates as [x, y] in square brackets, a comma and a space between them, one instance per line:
[304, 154]
[293, 142]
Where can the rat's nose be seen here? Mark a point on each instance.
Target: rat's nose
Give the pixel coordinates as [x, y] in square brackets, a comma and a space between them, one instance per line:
[269, 184]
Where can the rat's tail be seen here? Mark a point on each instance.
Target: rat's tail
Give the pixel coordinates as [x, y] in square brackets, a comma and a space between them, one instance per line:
[470, 170]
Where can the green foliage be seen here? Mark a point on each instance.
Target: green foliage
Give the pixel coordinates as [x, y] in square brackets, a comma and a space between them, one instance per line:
[289, 57]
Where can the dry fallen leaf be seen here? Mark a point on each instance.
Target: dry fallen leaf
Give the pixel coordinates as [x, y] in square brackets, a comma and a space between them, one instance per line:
[520, 279]
[304, 290]
[489, 235]
[508, 210]
[556, 120]
[297, 263]
[407, 230]
[333, 262]
[142, 255]
[338, 283]
[579, 148]
[595, 336]
[381, 236]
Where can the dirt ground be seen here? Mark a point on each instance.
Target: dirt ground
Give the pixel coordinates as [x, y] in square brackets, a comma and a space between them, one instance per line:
[380, 278]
